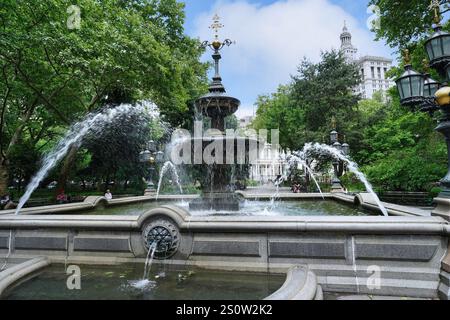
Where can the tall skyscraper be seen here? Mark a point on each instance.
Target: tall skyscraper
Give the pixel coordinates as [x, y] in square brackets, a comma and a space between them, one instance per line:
[373, 69]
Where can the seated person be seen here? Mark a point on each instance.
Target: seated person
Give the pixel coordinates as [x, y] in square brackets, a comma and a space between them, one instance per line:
[6, 203]
[108, 195]
[61, 197]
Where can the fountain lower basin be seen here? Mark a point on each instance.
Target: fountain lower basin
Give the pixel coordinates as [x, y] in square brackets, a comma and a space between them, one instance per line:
[119, 283]
[288, 207]
[340, 250]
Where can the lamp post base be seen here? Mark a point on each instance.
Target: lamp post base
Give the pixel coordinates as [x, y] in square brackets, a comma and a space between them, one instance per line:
[444, 286]
[443, 199]
[336, 186]
[149, 192]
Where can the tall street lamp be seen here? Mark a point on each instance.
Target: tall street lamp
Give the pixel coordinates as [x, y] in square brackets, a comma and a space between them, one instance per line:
[338, 165]
[419, 90]
[151, 156]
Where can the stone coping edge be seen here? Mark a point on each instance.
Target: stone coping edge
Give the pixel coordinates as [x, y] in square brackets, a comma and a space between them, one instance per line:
[186, 222]
[300, 284]
[91, 202]
[17, 272]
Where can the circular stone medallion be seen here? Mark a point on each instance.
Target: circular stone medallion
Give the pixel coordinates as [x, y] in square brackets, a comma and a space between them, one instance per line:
[166, 236]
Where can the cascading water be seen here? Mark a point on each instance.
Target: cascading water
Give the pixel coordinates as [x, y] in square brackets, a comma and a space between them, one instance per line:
[166, 167]
[74, 137]
[355, 268]
[149, 260]
[92, 123]
[295, 159]
[144, 283]
[352, 166]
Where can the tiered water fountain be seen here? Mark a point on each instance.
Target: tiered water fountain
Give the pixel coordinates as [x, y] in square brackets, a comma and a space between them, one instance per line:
[334, 249]
[217, 188]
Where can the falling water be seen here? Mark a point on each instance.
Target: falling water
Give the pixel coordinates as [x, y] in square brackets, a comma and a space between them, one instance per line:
[74, 137]
[303, 162]
[166, 167]
[144, 283]
[5, 264]
[352, 166]
[149, 260]
[273, 199]
[355, 269]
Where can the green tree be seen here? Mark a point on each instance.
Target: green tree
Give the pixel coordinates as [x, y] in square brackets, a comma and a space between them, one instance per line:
[403, 23]
[400, 150]
[52, 75]
[303, 109]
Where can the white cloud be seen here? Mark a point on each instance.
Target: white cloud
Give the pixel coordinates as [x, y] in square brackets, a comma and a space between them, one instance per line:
[271, 40]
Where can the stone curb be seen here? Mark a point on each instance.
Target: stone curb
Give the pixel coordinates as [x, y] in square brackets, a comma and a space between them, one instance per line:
[15, 273]
[300, 284]
[364, 199]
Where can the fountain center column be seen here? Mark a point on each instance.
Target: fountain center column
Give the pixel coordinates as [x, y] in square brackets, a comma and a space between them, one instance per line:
[217, 105]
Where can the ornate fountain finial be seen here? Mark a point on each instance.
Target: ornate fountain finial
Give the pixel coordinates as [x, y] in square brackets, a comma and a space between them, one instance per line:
[435, 6]
[216, 26]
[406, 57]
[216, 44]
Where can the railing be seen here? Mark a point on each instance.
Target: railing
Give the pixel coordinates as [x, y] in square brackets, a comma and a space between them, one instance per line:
[407, 198]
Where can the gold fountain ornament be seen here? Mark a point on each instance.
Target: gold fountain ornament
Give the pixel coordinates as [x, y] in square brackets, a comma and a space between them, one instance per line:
[216, 44]
[406, 57]
[443, 96]
[435, 6]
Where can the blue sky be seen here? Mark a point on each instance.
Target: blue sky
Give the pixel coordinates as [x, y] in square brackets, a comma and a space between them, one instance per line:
[272, 37]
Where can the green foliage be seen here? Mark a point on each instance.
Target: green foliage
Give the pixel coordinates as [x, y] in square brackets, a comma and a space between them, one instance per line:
[278, 111]
[231, 122]
[302, 110]
[397, 149]
[325, 89]
[51, 75]
[352, 183]
[403, 22]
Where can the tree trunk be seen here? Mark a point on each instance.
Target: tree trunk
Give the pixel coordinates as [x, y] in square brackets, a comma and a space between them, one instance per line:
[4, 177]
[65, 170]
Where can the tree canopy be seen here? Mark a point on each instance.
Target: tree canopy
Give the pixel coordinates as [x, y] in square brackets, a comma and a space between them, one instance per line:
[397, 149]
[52, 74]
[303, 109]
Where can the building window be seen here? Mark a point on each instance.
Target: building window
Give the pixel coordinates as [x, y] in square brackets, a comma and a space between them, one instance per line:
[372, 69]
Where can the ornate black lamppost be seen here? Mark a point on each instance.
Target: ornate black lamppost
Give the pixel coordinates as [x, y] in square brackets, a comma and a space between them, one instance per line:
[419, 90]
[338, 165]
[151, 156]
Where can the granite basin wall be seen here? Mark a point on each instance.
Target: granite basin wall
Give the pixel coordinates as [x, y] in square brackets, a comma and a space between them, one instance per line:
[374, 255]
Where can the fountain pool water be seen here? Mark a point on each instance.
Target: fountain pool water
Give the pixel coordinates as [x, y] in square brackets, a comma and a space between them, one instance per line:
[280, 208]
[116, 283]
